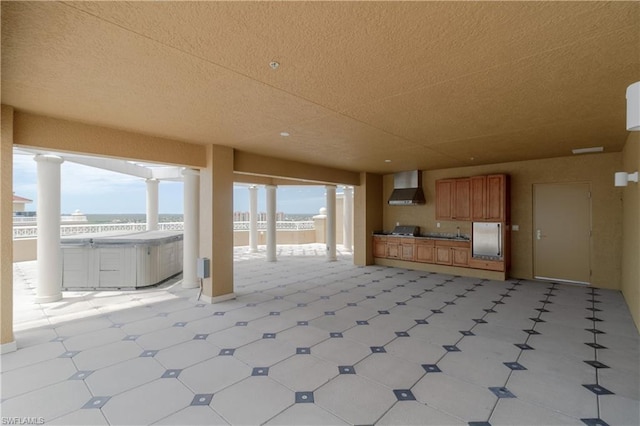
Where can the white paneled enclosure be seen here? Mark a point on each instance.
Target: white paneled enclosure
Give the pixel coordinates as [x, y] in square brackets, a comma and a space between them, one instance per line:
[120, 260]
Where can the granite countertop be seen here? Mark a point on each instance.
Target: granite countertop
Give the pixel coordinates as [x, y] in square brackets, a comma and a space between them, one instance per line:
[429, 236]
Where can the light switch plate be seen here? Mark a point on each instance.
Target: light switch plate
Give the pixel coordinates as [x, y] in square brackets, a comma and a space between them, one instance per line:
[515, 227]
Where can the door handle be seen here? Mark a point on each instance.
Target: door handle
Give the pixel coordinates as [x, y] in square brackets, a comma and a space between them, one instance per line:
[538, 234]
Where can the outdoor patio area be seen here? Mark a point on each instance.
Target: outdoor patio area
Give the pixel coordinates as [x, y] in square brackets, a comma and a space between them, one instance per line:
[309, 341]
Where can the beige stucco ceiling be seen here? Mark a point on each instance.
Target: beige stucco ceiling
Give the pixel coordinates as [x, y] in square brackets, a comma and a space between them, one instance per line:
[424, 84]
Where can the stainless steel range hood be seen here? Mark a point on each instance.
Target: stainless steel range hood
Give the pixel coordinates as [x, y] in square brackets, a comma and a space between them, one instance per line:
[407, 189]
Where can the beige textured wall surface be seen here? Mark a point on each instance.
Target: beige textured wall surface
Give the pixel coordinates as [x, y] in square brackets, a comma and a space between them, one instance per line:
[367, 216]
[36, 131]
[6, 226]
[598, 170]
[25, 249]
[631, 229]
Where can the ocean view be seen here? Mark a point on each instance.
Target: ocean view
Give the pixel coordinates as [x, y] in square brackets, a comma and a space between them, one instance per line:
[141, 217]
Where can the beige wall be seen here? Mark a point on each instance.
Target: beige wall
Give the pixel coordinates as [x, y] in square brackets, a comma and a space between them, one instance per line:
[6, 226]
[598, 170]
[367, 216]
[241, 238]
[25, 249]
[631, 228]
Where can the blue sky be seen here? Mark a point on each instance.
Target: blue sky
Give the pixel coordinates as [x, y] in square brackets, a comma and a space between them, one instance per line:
[92, 191]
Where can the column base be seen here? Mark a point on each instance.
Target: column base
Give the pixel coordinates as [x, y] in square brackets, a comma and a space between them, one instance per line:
[5, 348]
[189, 284]
[48, 299]
[218, 299]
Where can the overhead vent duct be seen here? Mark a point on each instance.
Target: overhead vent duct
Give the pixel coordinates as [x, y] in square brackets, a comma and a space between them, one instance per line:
[407, 189]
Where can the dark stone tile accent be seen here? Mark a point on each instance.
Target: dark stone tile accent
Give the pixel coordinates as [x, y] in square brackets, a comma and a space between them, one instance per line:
[386, 291]
[524, 346]
[537, 320]
[69, 354]
[598, 390]
[400, 303]
[362, 322]
[505, 295]
[117, 325]
[352, 304]
[451, 348]
[467, 333]
[383, 312]
[304, 397]
[404, 395]
[274, 314]
[594, 422]
[515, 365]
[148, 354]
[200, 305]
[303, 351]
[202, 399]
[378, 349]
[542, 310]
[594, 319]
[416, 296]
[346, 369]
[260, 371]
[131, 337]
[479, 424]
[171, 374]
[97, 402]
[449, 303]
[329, 313]
[242, 323]
[180, 324]
[436, 311]
[218, 314]
[480, 321]
[421, 321]
[489, 311]
[531, 332]
[61, 339]
[596, 345]
[269, 336]
[163, 314]
[460, 295]
[431, 368]
[595, 331]
[402, 334]
[302, 305]
[497, 302]
[251, 305]
[594, 309]
[546, 302]
[324, 297]
[371, 297]
[226, 352]
[335, 335]
[597, 364]
[502, 392]
[303, 323]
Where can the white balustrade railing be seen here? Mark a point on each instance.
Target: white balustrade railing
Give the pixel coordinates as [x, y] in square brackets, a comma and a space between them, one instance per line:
[20, 232]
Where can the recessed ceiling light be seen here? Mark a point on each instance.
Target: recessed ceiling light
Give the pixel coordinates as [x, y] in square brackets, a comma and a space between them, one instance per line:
[587, 150]
[387, 161]
[284, 134]
[274, 65]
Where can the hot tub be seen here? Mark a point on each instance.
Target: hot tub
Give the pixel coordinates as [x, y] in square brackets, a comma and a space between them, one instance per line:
[120, 260]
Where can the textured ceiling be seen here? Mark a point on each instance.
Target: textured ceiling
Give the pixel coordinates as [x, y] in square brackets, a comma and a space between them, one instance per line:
[424, 84]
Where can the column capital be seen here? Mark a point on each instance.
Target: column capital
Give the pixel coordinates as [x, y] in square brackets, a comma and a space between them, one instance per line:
[152, 180]
[190, 172]
[271, 186]
[50, 158]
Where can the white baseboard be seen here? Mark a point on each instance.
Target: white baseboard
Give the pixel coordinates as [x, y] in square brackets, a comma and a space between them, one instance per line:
[8, 347]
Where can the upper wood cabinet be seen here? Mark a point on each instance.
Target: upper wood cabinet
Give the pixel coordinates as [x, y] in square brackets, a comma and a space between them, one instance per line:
[477, 199]
[453, 199]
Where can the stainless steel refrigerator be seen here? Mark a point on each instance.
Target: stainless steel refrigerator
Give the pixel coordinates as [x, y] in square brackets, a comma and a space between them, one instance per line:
[487, 239]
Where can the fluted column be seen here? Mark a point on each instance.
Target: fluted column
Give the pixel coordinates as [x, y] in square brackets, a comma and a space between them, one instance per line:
[347, 219]
[331, 223]
[152, 204]
[191, 242]
[253, 218]
[49, 284]
[271, 223]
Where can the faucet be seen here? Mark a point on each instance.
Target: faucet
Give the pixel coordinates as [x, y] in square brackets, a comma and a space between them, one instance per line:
[458, 229]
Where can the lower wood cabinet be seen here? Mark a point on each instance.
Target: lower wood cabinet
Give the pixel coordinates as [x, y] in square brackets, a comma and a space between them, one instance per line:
[425, 251]
[460, 256]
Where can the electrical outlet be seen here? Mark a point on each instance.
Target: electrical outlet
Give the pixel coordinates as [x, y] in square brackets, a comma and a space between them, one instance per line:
[515, 227]
[438, 225]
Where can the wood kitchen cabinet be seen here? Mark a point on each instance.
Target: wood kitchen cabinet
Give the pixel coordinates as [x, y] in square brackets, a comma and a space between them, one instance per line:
[455, 253]
[393, 248]
[425, 251]
[489, 198]
[460, 256]
[379, 246]
[408, 249]
[443, 256]
[453, 199]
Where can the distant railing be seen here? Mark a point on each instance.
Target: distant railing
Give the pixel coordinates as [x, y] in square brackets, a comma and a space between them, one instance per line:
[32, 231]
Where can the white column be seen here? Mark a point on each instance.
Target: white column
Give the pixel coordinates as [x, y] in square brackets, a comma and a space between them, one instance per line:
[152, 204]
[271, 223]
[49, 284]
[253, 218]
[191, 242]
[347, 219]
[331, 223]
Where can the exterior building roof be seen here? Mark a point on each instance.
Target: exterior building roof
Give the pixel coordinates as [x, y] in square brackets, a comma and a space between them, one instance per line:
[19, 199]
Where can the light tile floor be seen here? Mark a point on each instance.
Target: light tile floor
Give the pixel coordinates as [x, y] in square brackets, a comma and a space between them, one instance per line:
[314, 342]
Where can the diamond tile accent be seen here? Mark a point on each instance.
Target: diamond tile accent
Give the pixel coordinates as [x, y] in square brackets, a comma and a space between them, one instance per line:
[200, 337]
[497, 302]
[594, 319]
[597, 364]
[383, 312]
[489, 311]
[303, 323]
[303, 351]
[200, 305]
[537, 320]
[467, 333]
[451, 348]
[304, 397]
[502, 392]
[163, 314]
[449, 303]
[594, 422]
[362, 322]
[335, 335]
[302, 305]
[251, 305]
[479, 424]
[416, 296]
[324, 297]
[180, 324]
[596, 345]
[131, 337]
[227, 352]
[402, 334]
[97, 402]
[81, 375]
[378, 349]
[371, 297]
[69, 354]
[436, 311]
[149, 354]
[218, 314]
[431, 368]
[58, 339]
[202, 399]
[515, 366]
[329, 313]
[269, 336]
[242, 324]
[531, 331]
[401, 303]
[598, 390]
[171, 374]
[421, 321]
[524, 346]
[404, 395]
[595, 331]
[260, 371]
[594, 309]
[479, 321]
[542, 310]
[346, 369]
[352, 304]
[274, 313]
